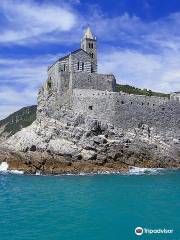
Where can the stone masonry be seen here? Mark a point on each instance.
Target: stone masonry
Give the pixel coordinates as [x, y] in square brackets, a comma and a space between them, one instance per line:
[84, 125]
[74, 84]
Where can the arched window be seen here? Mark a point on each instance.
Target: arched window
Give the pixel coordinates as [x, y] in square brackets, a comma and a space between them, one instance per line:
[64, 67]
[82, 66]
[78, 65]
[91, 45]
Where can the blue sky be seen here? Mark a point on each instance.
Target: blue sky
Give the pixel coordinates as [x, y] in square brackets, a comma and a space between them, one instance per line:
[138, 41]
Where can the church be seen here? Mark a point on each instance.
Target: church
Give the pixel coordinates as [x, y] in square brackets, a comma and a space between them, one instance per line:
[82, 59]
[78, 69]
[75, 88]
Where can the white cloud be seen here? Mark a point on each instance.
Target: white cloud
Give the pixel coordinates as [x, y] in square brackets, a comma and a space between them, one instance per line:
[132, 30]
[139, 53]
[142, 54]
[28, 20]
[20, 81]
[13, 99]
[159, 72]
[6, 110]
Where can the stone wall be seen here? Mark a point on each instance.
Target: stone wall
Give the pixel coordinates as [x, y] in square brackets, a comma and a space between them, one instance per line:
[125, 110]
[53, 74]
[175, 96]
[84, 61]
[95, 81]
[64, 80]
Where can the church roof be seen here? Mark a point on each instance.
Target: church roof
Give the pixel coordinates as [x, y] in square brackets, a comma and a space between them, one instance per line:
[66, 56]
[71, 53]
[88, 33]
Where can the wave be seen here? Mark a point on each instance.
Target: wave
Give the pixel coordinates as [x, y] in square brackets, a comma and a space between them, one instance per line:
[4, 169]
[142, 171]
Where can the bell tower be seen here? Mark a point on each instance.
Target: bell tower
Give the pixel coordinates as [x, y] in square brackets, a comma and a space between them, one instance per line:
[88, 44]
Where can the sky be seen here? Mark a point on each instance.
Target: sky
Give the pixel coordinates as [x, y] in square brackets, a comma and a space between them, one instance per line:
[138, 41]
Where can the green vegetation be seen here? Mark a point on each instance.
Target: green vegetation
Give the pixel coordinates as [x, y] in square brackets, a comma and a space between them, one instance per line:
[49, 84]
[133, 90]
[18, 120]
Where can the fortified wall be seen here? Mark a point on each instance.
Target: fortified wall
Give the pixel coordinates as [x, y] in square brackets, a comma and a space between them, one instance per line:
[126, 110]
[117, 108]
[75, 88]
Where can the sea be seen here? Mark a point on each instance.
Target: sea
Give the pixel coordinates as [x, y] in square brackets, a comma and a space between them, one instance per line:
[90, 207]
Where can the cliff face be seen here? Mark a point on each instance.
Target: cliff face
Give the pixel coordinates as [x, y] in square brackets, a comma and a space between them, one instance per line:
[77, 143]
[61, 140]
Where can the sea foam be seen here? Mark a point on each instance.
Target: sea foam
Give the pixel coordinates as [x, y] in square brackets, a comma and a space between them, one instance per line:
[4, 169]
[141, 171]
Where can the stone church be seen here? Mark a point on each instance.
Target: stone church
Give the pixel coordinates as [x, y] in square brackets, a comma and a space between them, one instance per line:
[74, 87]
[79, 69]
[82, 59]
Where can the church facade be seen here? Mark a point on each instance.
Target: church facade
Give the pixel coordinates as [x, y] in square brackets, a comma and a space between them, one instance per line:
[83, 59]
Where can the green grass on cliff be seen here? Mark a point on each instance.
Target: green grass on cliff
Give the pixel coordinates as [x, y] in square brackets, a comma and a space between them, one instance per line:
[133, 90]
[18, 120]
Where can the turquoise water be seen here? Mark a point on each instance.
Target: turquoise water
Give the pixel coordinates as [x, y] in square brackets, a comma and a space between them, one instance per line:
[88, 207]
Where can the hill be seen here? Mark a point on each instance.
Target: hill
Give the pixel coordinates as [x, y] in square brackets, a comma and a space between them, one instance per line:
[133, 90]
[17, 120]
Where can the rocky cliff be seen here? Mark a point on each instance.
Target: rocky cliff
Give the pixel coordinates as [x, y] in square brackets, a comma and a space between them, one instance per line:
[62, 141]
[76, 144]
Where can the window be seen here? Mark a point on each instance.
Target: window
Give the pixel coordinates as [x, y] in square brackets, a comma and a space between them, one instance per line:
[91, 68]
[90, 45]
[64, 67]
[90, 107]
[78, 65]
[82, 66]
[92, 55]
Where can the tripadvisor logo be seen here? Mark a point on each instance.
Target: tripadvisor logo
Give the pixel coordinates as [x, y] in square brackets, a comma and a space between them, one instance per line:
[139, 231]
